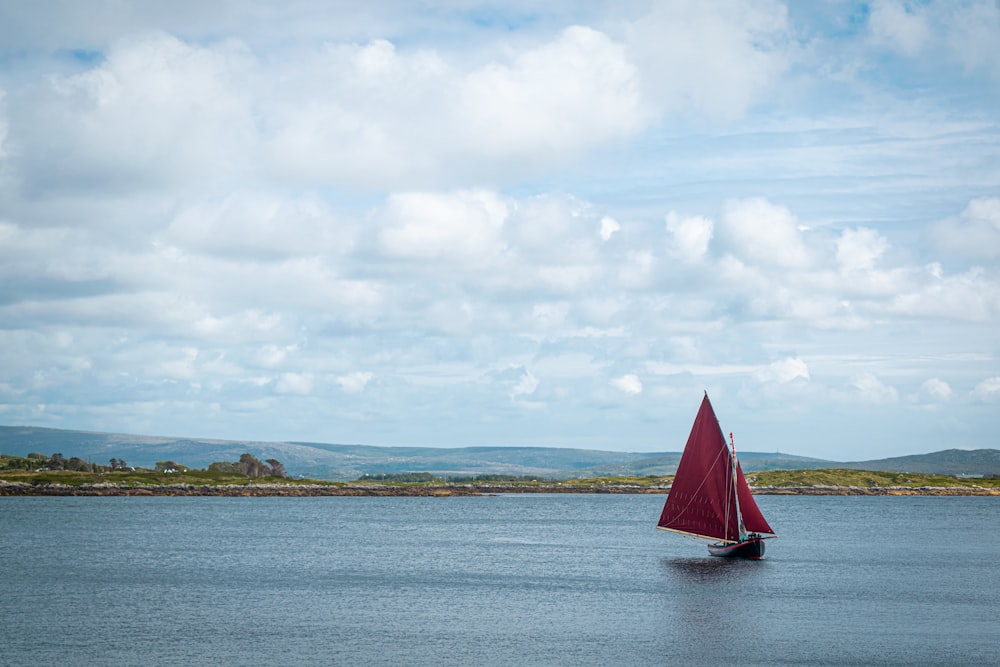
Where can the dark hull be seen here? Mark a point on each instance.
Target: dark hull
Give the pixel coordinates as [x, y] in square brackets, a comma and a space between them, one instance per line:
[753, 549]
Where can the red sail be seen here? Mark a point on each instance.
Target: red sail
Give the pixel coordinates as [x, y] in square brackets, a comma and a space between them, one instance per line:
[702, 500]
[753, 520]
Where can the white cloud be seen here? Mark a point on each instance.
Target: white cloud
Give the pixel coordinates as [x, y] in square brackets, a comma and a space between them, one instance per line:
[259, 225]
[294, 383]
[156, 111]
[973, 296]
[575, 91]
[364, 115]
[859, 249]
[764, 233]
[463, 226]
[988, 391]
[936, 389]
[162, 110]
[975, 234]
[272, 356]
[539, 224]
[872, 390]
[688, 237]
[628, 384]
[525, 385]
[375, 60]
[354, 383]
[608, 228]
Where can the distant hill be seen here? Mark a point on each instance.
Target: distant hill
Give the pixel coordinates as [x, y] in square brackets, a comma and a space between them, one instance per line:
[666, 464]
[314, 460]
[947, 462]
[348, 462]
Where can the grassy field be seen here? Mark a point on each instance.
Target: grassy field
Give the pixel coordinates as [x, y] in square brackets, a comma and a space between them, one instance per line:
[862, 479]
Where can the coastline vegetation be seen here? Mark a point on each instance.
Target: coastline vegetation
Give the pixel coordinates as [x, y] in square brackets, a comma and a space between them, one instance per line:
[845, 477]
[37, 470]
[40, 470]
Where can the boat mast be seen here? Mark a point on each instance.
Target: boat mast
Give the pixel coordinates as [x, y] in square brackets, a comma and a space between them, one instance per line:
[736, 495]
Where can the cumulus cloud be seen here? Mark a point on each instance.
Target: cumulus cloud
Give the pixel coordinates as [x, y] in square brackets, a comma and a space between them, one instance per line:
[156, 111]
[577, 90]
[988, 390]
[628, 384]
[974, 234]
[872, 390]
[972, 296]
[463, 226]
[262, 226]
[764, 233]
[859, 249]
[608, 227]
[936, 389]
[367, 115]
[354, 383]
[688, 238]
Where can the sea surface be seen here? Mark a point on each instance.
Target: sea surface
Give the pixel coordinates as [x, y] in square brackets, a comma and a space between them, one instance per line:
[500, 580]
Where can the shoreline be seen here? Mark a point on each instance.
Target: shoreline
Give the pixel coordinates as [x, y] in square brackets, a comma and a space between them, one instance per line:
[454, 490]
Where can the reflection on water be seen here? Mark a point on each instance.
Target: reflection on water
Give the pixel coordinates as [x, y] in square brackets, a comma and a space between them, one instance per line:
[710, 606]
[711, 570]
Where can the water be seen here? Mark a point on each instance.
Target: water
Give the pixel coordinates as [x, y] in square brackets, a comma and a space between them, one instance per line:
[504, 580]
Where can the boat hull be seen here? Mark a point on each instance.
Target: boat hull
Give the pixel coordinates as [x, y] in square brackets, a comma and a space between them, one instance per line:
[752, 549]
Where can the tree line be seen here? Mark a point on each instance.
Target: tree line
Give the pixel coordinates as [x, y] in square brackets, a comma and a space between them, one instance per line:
[248, 465]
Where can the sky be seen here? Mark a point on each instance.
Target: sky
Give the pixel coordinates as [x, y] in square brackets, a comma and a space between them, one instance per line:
[504, 223]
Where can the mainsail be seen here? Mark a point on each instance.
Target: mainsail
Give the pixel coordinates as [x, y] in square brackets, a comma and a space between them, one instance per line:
[703, 500]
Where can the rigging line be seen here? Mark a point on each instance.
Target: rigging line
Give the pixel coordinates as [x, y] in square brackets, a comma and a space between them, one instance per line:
[729, 499]
[740, 527]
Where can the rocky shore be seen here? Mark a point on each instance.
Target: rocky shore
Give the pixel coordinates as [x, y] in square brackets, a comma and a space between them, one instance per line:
[310, 490]
[229, 490]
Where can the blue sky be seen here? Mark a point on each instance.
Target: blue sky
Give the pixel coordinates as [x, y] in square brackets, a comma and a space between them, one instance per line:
[489, 224]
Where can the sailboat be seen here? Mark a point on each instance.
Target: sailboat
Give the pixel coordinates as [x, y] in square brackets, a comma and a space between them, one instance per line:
[710, 498]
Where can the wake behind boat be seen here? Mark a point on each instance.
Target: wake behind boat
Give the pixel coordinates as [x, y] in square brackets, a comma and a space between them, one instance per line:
[710, 497]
